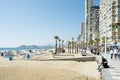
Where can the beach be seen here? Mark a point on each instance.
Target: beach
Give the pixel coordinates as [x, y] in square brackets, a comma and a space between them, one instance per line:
[47, 70]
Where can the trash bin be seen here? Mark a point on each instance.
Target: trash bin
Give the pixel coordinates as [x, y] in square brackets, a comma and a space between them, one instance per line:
[10, 58]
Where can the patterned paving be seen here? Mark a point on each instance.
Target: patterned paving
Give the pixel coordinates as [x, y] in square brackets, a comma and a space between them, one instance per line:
[112, 73]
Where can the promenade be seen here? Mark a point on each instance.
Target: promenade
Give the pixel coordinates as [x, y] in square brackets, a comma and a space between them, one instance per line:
[112, 73]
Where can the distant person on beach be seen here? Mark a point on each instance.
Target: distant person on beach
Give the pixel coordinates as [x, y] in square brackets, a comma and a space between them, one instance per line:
[30, 50]
[2, 54]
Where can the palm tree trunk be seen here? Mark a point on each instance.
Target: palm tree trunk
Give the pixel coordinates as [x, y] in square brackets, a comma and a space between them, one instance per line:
[59, 47]
[115, 38]
[62, 48]
[68, 48]
[77, 48]
[56, 47]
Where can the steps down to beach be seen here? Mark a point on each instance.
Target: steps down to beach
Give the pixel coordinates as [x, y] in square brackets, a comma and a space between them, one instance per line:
[84, 59]
[66, 57]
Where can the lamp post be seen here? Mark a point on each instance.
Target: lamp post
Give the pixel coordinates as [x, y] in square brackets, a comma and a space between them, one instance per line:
[105, 42]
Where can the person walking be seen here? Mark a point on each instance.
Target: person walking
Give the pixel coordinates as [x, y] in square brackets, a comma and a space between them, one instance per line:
[119, 53]
[111, 53]
[115, 53]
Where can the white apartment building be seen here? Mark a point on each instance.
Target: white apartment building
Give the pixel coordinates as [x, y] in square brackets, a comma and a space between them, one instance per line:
[109, 15]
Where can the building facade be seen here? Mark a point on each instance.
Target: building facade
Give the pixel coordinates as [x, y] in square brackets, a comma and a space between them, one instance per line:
[94, 22]
[81, 37]
[88, 5]
[109, 16]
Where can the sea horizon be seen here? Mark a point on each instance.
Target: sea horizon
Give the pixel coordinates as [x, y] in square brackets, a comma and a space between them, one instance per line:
[16, 48]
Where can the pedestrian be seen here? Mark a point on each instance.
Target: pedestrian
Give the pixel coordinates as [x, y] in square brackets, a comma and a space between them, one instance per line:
[119, 53]
[104, 63]
[115, 53]
[91, 50]
[97, 51]
[111, 53]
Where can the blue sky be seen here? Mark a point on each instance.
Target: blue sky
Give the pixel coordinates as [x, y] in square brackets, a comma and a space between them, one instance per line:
[36, 22]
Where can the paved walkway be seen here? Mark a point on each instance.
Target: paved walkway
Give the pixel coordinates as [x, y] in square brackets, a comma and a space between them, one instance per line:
[112, 73]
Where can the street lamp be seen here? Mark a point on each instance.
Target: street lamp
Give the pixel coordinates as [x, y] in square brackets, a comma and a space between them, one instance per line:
[105, 41]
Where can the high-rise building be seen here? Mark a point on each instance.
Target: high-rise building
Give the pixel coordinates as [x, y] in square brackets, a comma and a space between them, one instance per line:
[81, 37]
[94, 23]
[83, 32]
[109, 16]
[88, 5]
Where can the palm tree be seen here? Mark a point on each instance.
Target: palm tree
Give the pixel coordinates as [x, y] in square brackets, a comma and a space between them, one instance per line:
[114, 27]
[56, 38]
[59, 45]
[77, 47]
[75, 44]
[103, 40]
[69, 47]
[91, 43]
[97, 41]
[72, 45]
[62, 45]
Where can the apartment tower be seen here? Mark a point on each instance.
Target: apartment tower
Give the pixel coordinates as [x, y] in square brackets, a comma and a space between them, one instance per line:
[88, 5]
[109, 16]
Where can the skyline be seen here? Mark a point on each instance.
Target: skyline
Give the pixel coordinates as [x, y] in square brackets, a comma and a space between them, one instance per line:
[36, 22]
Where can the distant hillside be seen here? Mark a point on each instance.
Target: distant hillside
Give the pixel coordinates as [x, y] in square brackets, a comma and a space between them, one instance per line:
[33, 47]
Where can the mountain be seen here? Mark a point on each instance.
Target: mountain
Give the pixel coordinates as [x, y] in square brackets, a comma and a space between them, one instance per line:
[33, 47]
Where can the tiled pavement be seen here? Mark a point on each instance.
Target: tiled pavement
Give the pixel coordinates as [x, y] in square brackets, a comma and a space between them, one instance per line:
[112, 73]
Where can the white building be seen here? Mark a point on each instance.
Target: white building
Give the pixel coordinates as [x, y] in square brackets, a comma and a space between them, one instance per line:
[109, 15]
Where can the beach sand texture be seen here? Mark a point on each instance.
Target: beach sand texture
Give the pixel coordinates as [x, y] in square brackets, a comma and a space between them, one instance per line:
[48, 70]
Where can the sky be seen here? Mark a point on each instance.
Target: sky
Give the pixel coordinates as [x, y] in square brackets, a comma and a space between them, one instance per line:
[36, 22]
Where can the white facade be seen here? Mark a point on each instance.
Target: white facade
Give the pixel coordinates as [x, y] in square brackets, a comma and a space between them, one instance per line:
[109, 15]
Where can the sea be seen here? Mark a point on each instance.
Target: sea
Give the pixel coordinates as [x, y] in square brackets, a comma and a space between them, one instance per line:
[9, 49]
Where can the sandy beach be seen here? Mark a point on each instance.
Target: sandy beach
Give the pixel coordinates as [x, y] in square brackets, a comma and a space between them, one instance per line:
[48, 70]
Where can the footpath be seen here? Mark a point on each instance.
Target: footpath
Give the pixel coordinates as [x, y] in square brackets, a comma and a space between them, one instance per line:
[112, 73]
